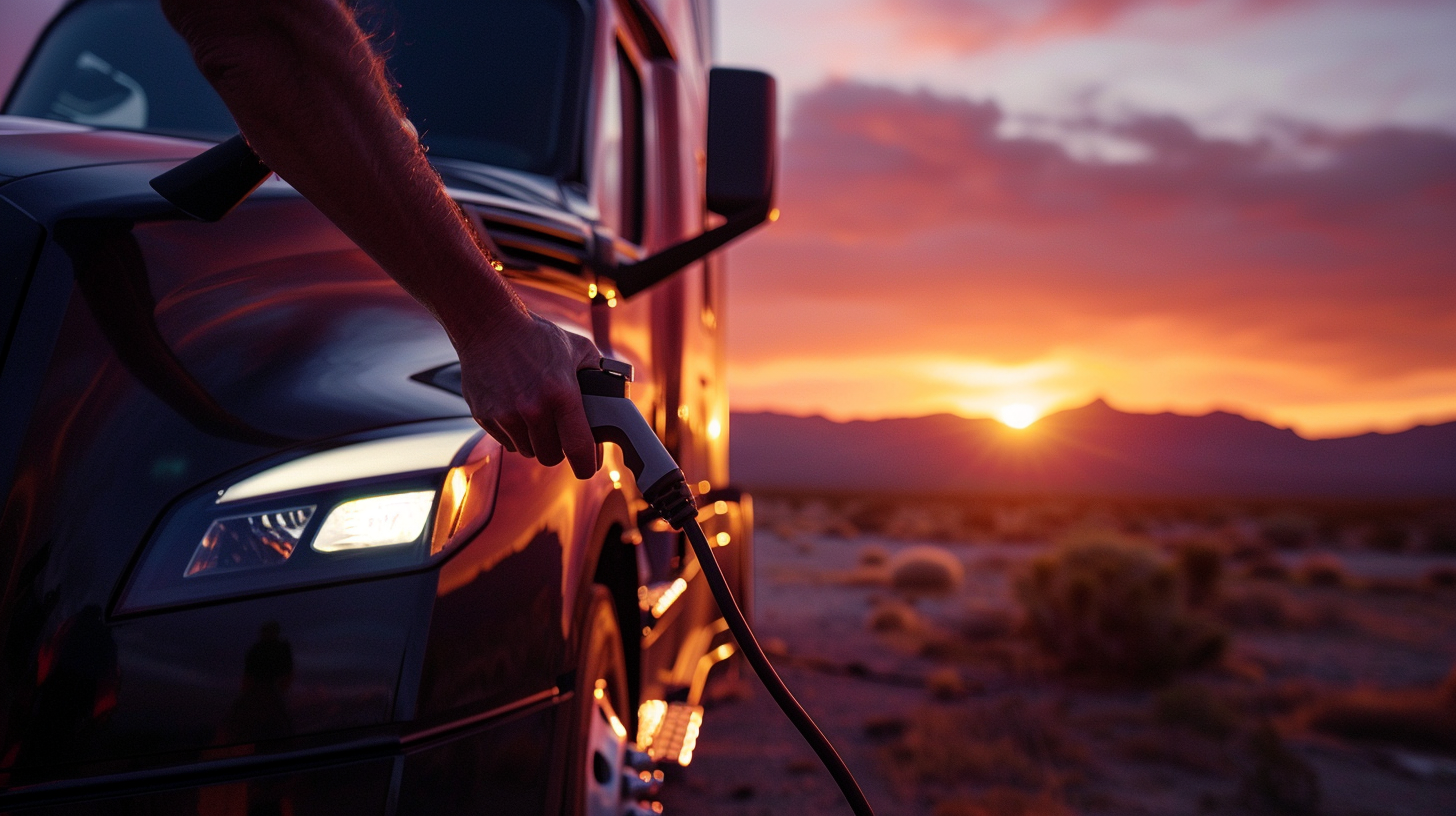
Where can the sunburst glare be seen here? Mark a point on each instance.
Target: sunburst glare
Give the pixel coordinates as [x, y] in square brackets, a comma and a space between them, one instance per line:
[1018, 414]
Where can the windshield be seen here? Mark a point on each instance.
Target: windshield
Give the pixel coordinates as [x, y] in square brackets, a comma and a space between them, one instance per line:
[493, 81]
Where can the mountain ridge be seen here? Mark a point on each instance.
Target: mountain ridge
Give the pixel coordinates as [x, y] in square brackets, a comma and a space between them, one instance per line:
[1094, 449]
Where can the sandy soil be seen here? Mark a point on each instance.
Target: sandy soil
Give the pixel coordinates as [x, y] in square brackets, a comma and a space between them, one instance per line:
[1054, 745]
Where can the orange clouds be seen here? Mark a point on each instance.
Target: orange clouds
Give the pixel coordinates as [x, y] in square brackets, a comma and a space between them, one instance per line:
[973, 25]
[1308, 277]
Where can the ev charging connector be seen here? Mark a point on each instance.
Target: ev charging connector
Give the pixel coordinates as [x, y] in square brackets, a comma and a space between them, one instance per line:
[614, 418]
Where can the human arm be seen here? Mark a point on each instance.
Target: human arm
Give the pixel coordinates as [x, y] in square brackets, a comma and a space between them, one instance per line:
[312, 99]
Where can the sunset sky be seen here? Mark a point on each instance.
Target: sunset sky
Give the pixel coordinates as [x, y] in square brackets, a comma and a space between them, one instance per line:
[1179, 205]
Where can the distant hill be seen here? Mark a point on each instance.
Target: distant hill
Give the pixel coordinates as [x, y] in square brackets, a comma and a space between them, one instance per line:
[1094, 449]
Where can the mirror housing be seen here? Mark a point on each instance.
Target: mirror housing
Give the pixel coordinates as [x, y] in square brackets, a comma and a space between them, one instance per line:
[742, 141]
[742, 165]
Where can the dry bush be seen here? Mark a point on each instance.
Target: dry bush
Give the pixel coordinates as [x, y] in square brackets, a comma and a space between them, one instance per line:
[1006, 742]
[1272, 608]
[873, 555]
[1258, 608]
[1323, 571]
[1003, 801]
[1195, 707]
[1280, 781]
[1386, 585]
[927, 522]
[1421, 719]
[1441, 578]
[926, 570]
[1200, 568]
[1177, 748]
[893, 616]
[1441, 536]
[983, 623]
[1111, 608]
[1387, 536]
[946, 684]
[1287, 531]
[1266, 567]
[1276, 699]
[885, 728]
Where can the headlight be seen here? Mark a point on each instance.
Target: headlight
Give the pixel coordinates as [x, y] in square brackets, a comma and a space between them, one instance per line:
[375, 505]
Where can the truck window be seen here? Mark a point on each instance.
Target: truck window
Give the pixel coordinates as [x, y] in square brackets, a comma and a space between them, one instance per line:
[633, 147]
[493, 81]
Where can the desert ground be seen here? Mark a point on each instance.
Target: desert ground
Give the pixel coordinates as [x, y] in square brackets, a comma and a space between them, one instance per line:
[981, 658]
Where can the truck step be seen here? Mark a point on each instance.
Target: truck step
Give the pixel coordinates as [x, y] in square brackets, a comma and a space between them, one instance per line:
[668, 732]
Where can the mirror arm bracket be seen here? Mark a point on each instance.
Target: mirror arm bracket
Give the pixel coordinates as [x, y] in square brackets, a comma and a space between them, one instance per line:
[635, 277]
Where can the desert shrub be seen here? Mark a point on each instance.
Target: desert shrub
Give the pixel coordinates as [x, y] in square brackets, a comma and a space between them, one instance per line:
[873, 555]
[1003, 801]
[1194, 706]
[1177, 748]
[1258, 608]
[926, 570]
[1389, 585]
[1441, 536]
[884, 728]
[982, 623]
[893, 616]
[1441, 577]
[926, 522]
[1200, 567]
[1279, 780]
[946, 684]
[1287, 531]
[1111, 608]
[1387, 536]
[1422, 719]
[1266, 567]
[869, 516]
[1323, 571]
[1008, 742]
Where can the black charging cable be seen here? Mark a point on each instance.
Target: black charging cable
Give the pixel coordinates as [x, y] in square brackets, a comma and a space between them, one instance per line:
[614, 418]
[765, 671]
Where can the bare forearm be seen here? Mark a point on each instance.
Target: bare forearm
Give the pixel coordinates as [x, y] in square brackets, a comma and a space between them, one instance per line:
[311, 98]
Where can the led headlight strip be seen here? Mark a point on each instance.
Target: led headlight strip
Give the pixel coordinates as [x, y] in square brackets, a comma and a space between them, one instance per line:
[368, 506]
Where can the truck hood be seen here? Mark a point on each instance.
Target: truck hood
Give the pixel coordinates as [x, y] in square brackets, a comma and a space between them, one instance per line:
[269, 326]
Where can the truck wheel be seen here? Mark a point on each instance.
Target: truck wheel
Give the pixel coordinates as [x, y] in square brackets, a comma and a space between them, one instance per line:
[599, 712]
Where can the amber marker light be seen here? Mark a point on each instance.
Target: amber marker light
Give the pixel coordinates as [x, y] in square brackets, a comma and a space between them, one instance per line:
[690, 738]
[668, 597]
[466, 497]
[773, 215]
[649, 720]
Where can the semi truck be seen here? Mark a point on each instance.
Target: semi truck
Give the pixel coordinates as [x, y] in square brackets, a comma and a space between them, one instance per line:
[255, 555]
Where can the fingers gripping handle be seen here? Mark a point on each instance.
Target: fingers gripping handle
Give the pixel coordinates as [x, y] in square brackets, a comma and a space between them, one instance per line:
[613, 418]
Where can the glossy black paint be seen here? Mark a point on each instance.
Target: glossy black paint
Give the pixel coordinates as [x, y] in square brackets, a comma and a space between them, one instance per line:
[179, 352]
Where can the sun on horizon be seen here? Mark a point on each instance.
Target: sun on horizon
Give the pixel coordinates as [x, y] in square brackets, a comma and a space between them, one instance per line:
[1018, 415]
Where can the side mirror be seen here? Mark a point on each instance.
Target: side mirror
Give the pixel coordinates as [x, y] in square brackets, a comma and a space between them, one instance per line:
[742, 141]
[742, 164]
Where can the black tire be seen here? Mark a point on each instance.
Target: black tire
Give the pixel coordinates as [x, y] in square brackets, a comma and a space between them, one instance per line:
[593, 777]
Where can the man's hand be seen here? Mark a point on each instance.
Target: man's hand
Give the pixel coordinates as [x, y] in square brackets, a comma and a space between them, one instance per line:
[313, 101]
[519, 377]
